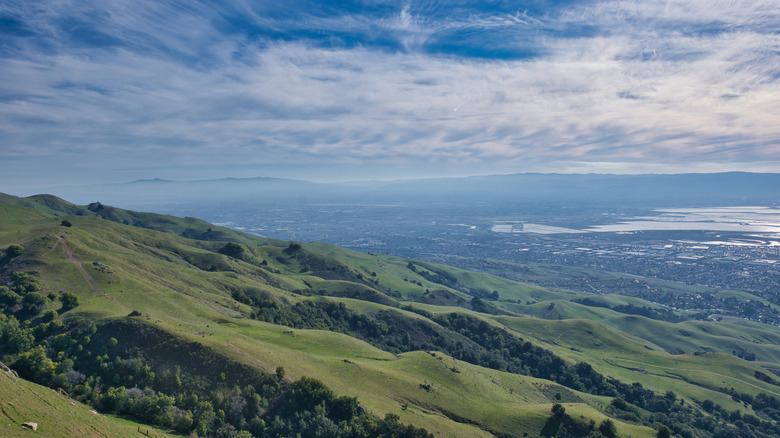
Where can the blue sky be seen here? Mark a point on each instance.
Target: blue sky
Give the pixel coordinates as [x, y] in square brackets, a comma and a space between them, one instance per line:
[112, 91]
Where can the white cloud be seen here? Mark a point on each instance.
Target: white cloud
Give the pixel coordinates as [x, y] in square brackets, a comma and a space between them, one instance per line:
[648, 88]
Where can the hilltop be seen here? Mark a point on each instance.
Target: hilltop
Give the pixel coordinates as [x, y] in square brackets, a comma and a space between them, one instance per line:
[196, 327]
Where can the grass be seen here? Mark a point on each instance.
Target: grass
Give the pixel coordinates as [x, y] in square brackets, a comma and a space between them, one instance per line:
[168, 279]
[726, 336]
[57, 415]
[632, 359]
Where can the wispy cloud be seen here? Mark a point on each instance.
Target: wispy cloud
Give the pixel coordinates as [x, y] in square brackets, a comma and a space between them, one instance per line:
[218, 84]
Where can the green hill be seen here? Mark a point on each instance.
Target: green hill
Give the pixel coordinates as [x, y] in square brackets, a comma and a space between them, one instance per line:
[195, 327]
[57, 415]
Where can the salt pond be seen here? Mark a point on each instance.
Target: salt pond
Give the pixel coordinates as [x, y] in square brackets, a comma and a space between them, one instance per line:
[720, 219]
[726, 219]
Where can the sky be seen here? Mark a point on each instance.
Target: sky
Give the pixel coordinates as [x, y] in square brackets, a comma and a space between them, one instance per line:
[113, 91]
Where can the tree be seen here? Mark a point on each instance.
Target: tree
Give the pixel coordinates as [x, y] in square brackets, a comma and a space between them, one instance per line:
[558, 410]
[14, 251]
[293, 248]
[9, 298]
[233, 249]
[66, 223]
[22, 283]
[34, 365]
[343, 409]
[40, 331]
[170, 379]
[303, 395]
[663, 432]
[69, 301]
[34, 302]
[608, 428]
[49, 316]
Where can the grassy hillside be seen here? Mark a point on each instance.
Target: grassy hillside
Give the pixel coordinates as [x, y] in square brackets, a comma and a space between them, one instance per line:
[686, 337]
[378, 328]
[56, 415]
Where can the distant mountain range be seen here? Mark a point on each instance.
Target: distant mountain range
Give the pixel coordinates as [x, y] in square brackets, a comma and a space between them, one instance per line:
[693, 189]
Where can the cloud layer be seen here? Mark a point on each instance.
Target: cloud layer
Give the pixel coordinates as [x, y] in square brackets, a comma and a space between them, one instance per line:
[243, 88]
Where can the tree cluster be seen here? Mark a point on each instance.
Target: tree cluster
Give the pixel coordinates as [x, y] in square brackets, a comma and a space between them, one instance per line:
[80, 359]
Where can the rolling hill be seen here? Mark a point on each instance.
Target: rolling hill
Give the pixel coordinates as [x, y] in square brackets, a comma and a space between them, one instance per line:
[199, 328]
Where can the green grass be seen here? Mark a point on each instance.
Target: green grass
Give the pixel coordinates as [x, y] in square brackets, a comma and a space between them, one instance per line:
[168, 279]
[632, 359]
[726, 336]
[57, 415]
[612, 300]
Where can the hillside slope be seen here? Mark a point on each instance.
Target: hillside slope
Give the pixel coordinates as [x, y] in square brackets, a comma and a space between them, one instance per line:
[55, 415]
[163, 304]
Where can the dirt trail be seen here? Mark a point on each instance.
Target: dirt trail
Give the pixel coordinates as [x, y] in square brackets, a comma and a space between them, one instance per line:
[56, 244]
[69, 251]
